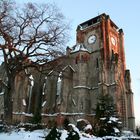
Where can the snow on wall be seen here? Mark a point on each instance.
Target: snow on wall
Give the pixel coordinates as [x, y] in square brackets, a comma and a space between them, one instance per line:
[32, 80]
[2, 93]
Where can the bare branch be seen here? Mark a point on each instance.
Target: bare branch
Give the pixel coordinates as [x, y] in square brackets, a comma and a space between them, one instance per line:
[35, 32]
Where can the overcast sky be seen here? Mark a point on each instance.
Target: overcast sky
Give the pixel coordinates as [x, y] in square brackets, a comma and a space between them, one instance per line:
[125, 13]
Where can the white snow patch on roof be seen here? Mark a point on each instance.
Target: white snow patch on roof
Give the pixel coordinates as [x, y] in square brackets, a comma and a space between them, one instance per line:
[79, 47]
[67, 67]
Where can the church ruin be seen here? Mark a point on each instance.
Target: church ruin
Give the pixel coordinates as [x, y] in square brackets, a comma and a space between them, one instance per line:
[94, 66]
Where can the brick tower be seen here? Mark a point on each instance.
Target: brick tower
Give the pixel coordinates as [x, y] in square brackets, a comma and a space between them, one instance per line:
[100, 62]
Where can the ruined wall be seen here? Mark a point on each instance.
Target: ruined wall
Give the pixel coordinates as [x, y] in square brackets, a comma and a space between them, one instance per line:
[130, 102]
[2, 78]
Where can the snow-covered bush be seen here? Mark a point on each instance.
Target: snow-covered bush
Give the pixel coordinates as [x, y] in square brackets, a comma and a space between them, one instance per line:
[73, 133]
[84, 126]
[107, 122]
[54, 134]
[81, 124]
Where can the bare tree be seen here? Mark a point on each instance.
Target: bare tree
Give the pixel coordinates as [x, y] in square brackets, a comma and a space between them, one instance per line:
[29, 36]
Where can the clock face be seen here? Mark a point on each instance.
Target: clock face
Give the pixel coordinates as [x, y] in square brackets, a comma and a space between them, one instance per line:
[114, 44]
[113, 41]
[91, 39]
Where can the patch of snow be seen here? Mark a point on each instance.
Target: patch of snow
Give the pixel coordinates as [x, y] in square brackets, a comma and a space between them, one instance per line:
[88, 127]
[2, 93]
[43, 104]
[103, 118]
[109, 122]
[29, 114]
[24, 102]
[44, 86]
[112, 138]
[127, 133]
[62, 113]
[67, 67]
[116, 130]
[59, 85]
[26, 71]
[50, 72]
[23, 113]
[49, 115]
[31, 80]
[59, 77]
[74, 128]
[84, 120]
[73, 101]
[86, 136]
[64, 135]
[114, 119]
[79, 47]
[79, 120]
[112, 84]
[82, 87]
[85, 26]
[23, 135]
[40, 135]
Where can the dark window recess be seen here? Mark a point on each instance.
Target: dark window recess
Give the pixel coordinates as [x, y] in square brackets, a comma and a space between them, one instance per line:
[89, 23]
[76, 61]
[113, 56]
[97, 63]
[82, 58]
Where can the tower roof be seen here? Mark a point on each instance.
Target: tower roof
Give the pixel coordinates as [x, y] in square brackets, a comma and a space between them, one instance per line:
[94, 21]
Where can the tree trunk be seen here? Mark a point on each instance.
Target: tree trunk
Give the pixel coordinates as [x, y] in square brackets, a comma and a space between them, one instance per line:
[38, 102]
[8, 104]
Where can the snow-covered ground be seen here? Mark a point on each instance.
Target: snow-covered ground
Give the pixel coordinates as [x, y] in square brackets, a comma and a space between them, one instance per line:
[40, 134]
[23, 135]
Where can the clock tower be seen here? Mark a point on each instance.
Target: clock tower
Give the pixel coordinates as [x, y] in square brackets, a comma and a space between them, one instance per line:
[106, 67]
